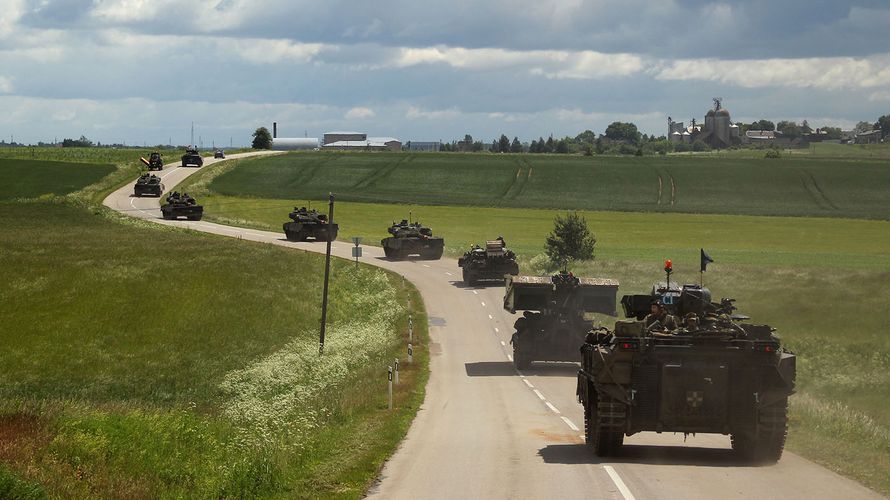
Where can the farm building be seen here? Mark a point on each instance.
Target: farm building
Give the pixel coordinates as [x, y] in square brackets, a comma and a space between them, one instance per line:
[368, 143]
[294, 143]
[717, 132]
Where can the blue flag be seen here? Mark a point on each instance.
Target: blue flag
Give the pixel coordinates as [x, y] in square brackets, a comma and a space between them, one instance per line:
[705, 260]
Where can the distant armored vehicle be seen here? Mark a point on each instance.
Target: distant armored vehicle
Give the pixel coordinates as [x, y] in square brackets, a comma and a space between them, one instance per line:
[192, 157]
[219, 154]
[181, 205]
[710, 374]
[553, 326]
[490, 263]
[412, 239]
[309, 224]
[154, 161]
[148, 184]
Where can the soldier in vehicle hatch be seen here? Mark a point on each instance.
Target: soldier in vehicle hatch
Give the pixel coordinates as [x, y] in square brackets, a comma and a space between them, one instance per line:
[657, 313]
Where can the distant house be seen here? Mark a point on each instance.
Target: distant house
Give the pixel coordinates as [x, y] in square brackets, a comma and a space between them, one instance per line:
[872, 137]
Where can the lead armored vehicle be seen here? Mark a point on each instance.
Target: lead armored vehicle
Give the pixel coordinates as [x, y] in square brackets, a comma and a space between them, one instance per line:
[554, 325]
[193, 158]
[490, 263]
[148, 184]
[309, 224]
[412, 238]
[181, 205]
[154, 161]
[714, 373]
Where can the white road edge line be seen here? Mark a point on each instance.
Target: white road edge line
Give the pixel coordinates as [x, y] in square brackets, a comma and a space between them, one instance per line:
[538, 393]
[529, 384]
[475, 292]
[449, 274]
[552, 408]
[510, 357]
[496, 330]
[490, 316]
[483, 304]
[503, 343]
[425, 265]
[619, 483]
[570, 424]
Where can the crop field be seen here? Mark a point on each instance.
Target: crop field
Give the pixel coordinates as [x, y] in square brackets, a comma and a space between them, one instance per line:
[797, 185]
[140, 361]
[34, 178]
[821, 281]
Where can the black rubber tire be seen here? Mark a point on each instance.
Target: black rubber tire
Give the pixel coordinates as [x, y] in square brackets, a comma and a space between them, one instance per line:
[468, 277]
[764, 446]
[605, 440]
[432, 254]
[521, 360]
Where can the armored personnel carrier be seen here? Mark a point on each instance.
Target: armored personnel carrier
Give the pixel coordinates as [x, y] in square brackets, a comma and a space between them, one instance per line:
[181, 205]
[193, 158]
[490, 263]
[154, 161]
[309, 224]
[553, 325]
[148, 184]
[412, 238]
[712, 374]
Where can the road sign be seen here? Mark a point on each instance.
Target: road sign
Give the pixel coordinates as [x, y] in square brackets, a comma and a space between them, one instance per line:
[356, 252]
[357, 240]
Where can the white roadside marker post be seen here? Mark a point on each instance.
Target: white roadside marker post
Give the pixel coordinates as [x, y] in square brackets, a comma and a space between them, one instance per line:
[410, 327]
[390, 387]
[410, 353]
[397, 371]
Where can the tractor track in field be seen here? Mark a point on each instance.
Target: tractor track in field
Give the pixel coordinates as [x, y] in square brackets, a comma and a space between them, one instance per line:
[815, 191]
[673, 187]
[516, 187]
[381, 173]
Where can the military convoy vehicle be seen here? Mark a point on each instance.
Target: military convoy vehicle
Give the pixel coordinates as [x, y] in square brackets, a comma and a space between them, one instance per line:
[309, 224]
[181, 205]
[148, 184]
[712, 374]
[490, 263]
[154, 161]
[192, 157]
[219, 154]
[412, 238]
[553, 325]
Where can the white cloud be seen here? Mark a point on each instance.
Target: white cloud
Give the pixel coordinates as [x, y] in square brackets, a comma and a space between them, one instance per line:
[829, 73]
[359, 113]
[415, 113]
[5, 85]
[272, 51]
[123, 11]
[880, 96]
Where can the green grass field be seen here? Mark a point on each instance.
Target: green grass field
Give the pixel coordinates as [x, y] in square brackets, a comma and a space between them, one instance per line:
[131, 370]
[141, 361]
[34, 178]
[820, 281]
[798, 185]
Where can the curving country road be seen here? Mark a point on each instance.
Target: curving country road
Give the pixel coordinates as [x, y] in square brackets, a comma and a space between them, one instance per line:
[488, 431]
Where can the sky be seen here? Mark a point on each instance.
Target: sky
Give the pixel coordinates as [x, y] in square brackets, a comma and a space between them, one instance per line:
[142, 71]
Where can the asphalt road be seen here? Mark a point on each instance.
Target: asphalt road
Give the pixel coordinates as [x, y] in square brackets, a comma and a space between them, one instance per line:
[488, 431]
